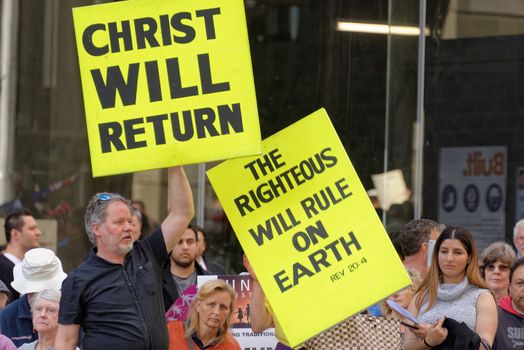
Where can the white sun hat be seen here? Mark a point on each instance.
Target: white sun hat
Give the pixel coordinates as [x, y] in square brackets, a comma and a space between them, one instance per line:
[41, 269]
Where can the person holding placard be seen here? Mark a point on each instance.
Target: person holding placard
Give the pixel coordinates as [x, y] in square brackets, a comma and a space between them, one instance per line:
[402, 297]
[261, 315]
[452, 291]
[116, 294]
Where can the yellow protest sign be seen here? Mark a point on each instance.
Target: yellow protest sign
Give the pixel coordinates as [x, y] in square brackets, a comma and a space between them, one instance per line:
[308, 227]
[166, 83]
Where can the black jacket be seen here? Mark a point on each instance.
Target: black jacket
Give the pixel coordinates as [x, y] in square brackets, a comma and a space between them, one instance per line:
[214, 268]
[6, 275]
[169, 287]
[460, 337]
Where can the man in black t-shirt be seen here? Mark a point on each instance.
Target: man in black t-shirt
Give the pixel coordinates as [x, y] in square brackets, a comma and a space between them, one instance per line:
[116, 294]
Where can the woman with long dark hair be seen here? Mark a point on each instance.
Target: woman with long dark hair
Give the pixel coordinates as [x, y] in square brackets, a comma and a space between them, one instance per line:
[452, 289]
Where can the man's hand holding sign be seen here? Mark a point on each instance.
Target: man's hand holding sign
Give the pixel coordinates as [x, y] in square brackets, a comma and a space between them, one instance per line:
[308, 228]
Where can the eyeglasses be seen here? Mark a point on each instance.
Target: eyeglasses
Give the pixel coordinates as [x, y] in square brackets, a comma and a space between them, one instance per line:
[502, 268]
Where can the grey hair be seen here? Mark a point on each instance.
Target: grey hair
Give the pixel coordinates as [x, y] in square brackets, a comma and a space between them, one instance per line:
[96, 211]
[137, 213]
[51, 295]
[519, 224]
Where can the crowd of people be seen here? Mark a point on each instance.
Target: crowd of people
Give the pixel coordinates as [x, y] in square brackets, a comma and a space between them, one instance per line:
[115, 298]
[460, 301]
[464, 301]
[136, 291]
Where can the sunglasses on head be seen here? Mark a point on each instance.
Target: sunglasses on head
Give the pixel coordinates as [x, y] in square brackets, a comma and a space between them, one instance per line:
[104, 196]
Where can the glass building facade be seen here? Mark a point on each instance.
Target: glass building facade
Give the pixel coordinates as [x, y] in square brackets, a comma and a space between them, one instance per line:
[433, 90]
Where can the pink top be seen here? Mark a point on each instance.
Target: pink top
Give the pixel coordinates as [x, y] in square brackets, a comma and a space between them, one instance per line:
[6, 343]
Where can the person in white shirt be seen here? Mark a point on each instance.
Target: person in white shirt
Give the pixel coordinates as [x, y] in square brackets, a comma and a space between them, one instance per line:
[21, 234]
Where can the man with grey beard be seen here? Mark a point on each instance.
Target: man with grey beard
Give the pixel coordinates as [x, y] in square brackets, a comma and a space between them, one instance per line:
[116, 293]
[182, 269]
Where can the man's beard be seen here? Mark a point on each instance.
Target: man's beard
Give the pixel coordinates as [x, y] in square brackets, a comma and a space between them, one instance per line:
[126, 249]
[184, 263]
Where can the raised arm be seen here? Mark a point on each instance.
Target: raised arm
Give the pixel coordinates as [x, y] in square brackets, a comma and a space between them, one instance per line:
[67, 337]
[487, 318]
[181, 209]
[260, 318]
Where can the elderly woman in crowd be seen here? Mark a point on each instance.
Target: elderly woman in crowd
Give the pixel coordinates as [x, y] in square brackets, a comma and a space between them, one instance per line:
[496, 261]
[452, 289]
[44, 307]
[208, 322]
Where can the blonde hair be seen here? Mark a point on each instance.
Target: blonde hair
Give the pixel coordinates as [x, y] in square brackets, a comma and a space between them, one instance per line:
[429, 287]
[205, 291]
[415, 278]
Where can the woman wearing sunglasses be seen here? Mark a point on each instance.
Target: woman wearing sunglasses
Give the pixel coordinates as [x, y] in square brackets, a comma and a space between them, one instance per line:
[496, 261]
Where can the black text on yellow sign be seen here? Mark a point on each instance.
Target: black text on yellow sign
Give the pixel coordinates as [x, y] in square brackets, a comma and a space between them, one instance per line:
[159, 77]
[307, 225]
[286, 221]
[180, 125]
